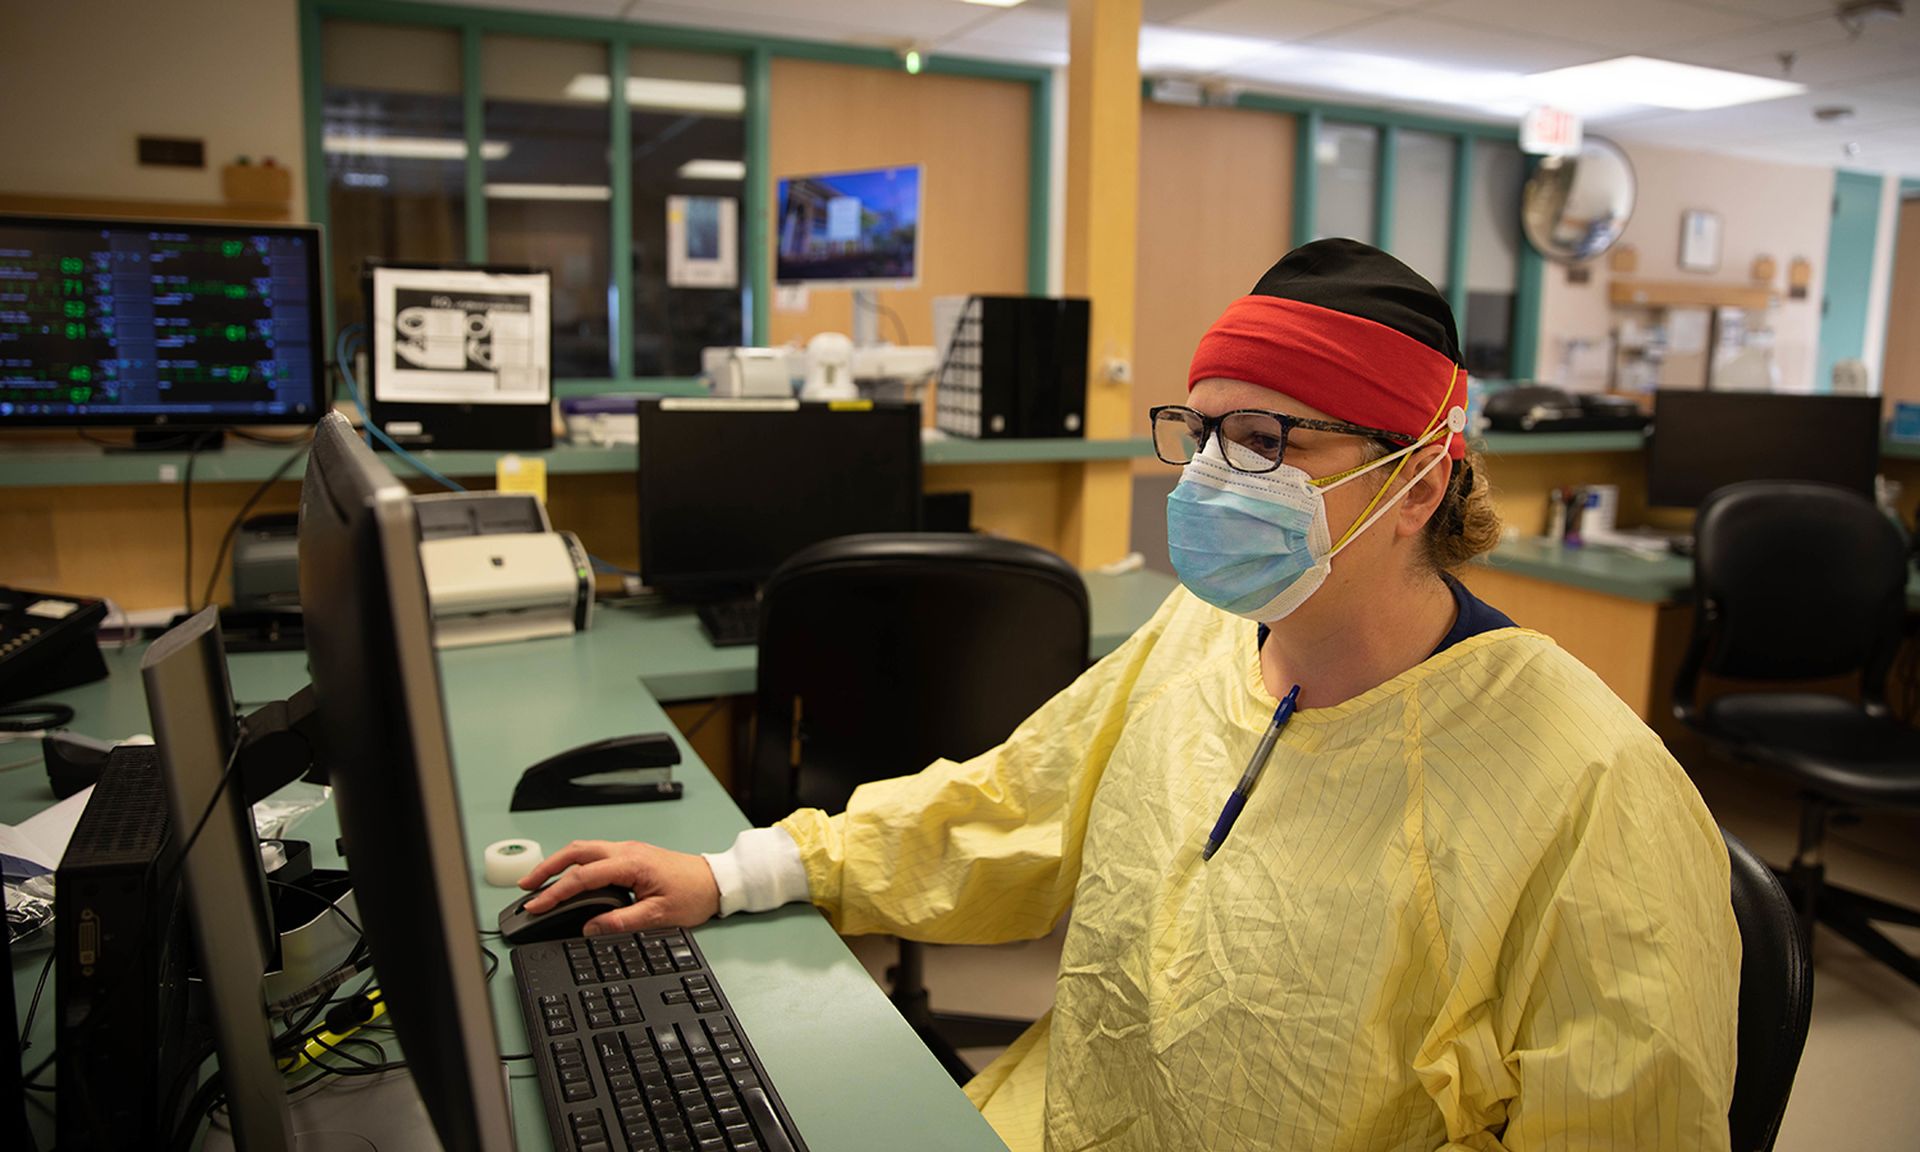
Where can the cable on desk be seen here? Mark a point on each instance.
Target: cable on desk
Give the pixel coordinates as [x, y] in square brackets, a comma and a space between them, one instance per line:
[186, 518]
[343, 351]
[233, 526]
[34, 716]
[33, 1006]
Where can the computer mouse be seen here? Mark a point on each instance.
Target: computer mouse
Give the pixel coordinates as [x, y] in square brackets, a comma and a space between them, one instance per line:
[567, 918]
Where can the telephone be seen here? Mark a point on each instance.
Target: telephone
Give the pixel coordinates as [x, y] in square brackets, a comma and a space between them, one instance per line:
[47, 642]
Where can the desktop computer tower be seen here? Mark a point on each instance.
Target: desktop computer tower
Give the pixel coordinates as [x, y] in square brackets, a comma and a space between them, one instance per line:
[1015, 368]
[124, 1038]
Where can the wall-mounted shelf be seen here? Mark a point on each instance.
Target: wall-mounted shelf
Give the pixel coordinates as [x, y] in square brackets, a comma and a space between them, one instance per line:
[1685, 294]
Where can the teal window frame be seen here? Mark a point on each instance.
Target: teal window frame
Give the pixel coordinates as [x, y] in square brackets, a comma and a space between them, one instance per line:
[756, 53]
[1310, 116]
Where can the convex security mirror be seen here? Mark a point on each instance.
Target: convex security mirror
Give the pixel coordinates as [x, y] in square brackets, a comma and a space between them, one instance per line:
[1575, 207]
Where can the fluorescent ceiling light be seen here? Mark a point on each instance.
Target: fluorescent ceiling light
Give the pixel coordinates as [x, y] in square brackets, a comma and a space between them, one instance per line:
[1178, 50]
[995, 3]
[1657, 83]
[714, 170]
[549, 192]
[674, 95]
[412, 147]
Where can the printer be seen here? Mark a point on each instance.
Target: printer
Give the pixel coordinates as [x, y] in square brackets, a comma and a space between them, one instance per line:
[497, 571]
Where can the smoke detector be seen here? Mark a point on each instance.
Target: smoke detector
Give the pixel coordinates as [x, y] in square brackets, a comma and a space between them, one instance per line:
[1855, 15]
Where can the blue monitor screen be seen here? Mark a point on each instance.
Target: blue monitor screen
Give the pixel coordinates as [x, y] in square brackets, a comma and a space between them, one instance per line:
[107, 322]
[850, 227]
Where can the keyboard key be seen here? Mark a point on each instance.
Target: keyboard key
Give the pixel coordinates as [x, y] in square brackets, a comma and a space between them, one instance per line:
[628, 1014]
[632, 1115]
[631, 1099]
[731, 1117]
[622, 1083]
[737, 1062]
[724, 1044]
[600, 1020]
[722, 1026]
[575, 1093]
[705, 1004]
[575, 1076]
[675, 996]
[559, 1027]
[739, 1135]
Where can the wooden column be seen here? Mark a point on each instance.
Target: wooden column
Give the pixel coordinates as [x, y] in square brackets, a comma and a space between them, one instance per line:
[1103, 207]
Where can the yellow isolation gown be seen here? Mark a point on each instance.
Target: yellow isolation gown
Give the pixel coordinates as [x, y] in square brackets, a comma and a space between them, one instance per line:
[1478, 907]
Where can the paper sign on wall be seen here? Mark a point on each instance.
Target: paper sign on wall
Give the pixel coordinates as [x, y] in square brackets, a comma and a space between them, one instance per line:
[703, 242]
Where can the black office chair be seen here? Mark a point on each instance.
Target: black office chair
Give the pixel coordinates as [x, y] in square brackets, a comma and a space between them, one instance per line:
[1796, 581]
[1776, 1000]
[880, 654]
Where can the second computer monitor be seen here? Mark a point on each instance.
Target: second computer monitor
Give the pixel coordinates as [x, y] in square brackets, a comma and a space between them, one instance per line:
[729, 489]
[1707, 440]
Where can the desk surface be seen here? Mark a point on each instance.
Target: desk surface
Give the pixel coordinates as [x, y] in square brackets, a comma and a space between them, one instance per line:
[852, 1072]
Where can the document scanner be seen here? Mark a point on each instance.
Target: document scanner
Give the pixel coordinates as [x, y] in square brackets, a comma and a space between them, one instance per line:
[497, 571]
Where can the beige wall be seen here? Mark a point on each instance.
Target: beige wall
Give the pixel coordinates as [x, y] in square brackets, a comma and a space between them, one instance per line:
[1778, 210]
[970, 136]
[1902, 370]
[81, 79]
[1216, 208]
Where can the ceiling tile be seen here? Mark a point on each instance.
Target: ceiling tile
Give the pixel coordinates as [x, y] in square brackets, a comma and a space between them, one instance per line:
[1860, 61]
[1769, 9]
[1765, 41]
[877, 19]
[1629, 25]
[1277, 19]
[1462, 45]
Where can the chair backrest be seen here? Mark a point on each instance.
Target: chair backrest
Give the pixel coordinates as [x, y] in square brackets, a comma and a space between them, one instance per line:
[882, 653]
[1776, 999]
[1793, 581]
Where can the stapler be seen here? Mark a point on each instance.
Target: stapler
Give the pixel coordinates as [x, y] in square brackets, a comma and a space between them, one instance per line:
[556, 782]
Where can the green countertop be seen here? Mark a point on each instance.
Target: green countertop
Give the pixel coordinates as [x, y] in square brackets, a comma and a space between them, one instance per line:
[795, 988]
[38, 464]
[1656, 578]
[1659, 578]
[1556, 443]
[24, 465]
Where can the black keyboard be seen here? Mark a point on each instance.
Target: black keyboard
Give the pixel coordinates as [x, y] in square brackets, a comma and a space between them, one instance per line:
[637, 1050]
[730, 623]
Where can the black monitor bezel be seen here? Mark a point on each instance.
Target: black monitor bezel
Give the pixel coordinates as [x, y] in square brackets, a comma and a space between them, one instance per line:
[724, 582]
[1670, 486]
[316, 275]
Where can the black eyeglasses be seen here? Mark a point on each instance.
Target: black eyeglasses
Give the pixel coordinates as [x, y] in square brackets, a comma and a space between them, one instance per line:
[1260, 436]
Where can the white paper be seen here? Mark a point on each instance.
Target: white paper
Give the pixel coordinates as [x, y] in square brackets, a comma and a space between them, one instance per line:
[42, 838]
[703, 242]
[466, 336]
[1687, 331]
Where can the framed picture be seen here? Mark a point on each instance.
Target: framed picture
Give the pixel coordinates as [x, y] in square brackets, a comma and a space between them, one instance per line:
[1699, 241]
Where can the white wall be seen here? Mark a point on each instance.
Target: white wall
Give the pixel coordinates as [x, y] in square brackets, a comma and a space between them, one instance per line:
[81, 79]
[1778, 210]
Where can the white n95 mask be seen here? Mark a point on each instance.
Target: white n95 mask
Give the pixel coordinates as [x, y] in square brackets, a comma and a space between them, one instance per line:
[1257, 544]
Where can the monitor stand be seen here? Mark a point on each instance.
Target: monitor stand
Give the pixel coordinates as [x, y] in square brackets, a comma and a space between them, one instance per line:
[164, 439]
[866, 318]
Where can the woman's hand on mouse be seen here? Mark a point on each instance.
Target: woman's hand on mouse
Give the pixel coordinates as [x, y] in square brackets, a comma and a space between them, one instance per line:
[670, 889]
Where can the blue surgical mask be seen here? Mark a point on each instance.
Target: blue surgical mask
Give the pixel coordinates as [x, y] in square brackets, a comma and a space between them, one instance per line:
[1257, 544]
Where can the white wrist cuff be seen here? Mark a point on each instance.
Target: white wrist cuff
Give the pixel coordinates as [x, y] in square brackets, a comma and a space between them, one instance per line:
[760, 872]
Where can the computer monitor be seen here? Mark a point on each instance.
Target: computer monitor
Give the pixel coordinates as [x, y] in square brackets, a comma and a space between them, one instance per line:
[106, 322]
[850, 229]
[730, 488]
[384, 742]
[1707, 440]
[382, 737]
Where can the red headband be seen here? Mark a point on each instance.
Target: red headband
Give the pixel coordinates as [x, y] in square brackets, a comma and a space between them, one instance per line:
[1349, 367]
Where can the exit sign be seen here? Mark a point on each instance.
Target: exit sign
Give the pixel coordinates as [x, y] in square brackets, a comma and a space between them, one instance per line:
[1550, 132]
